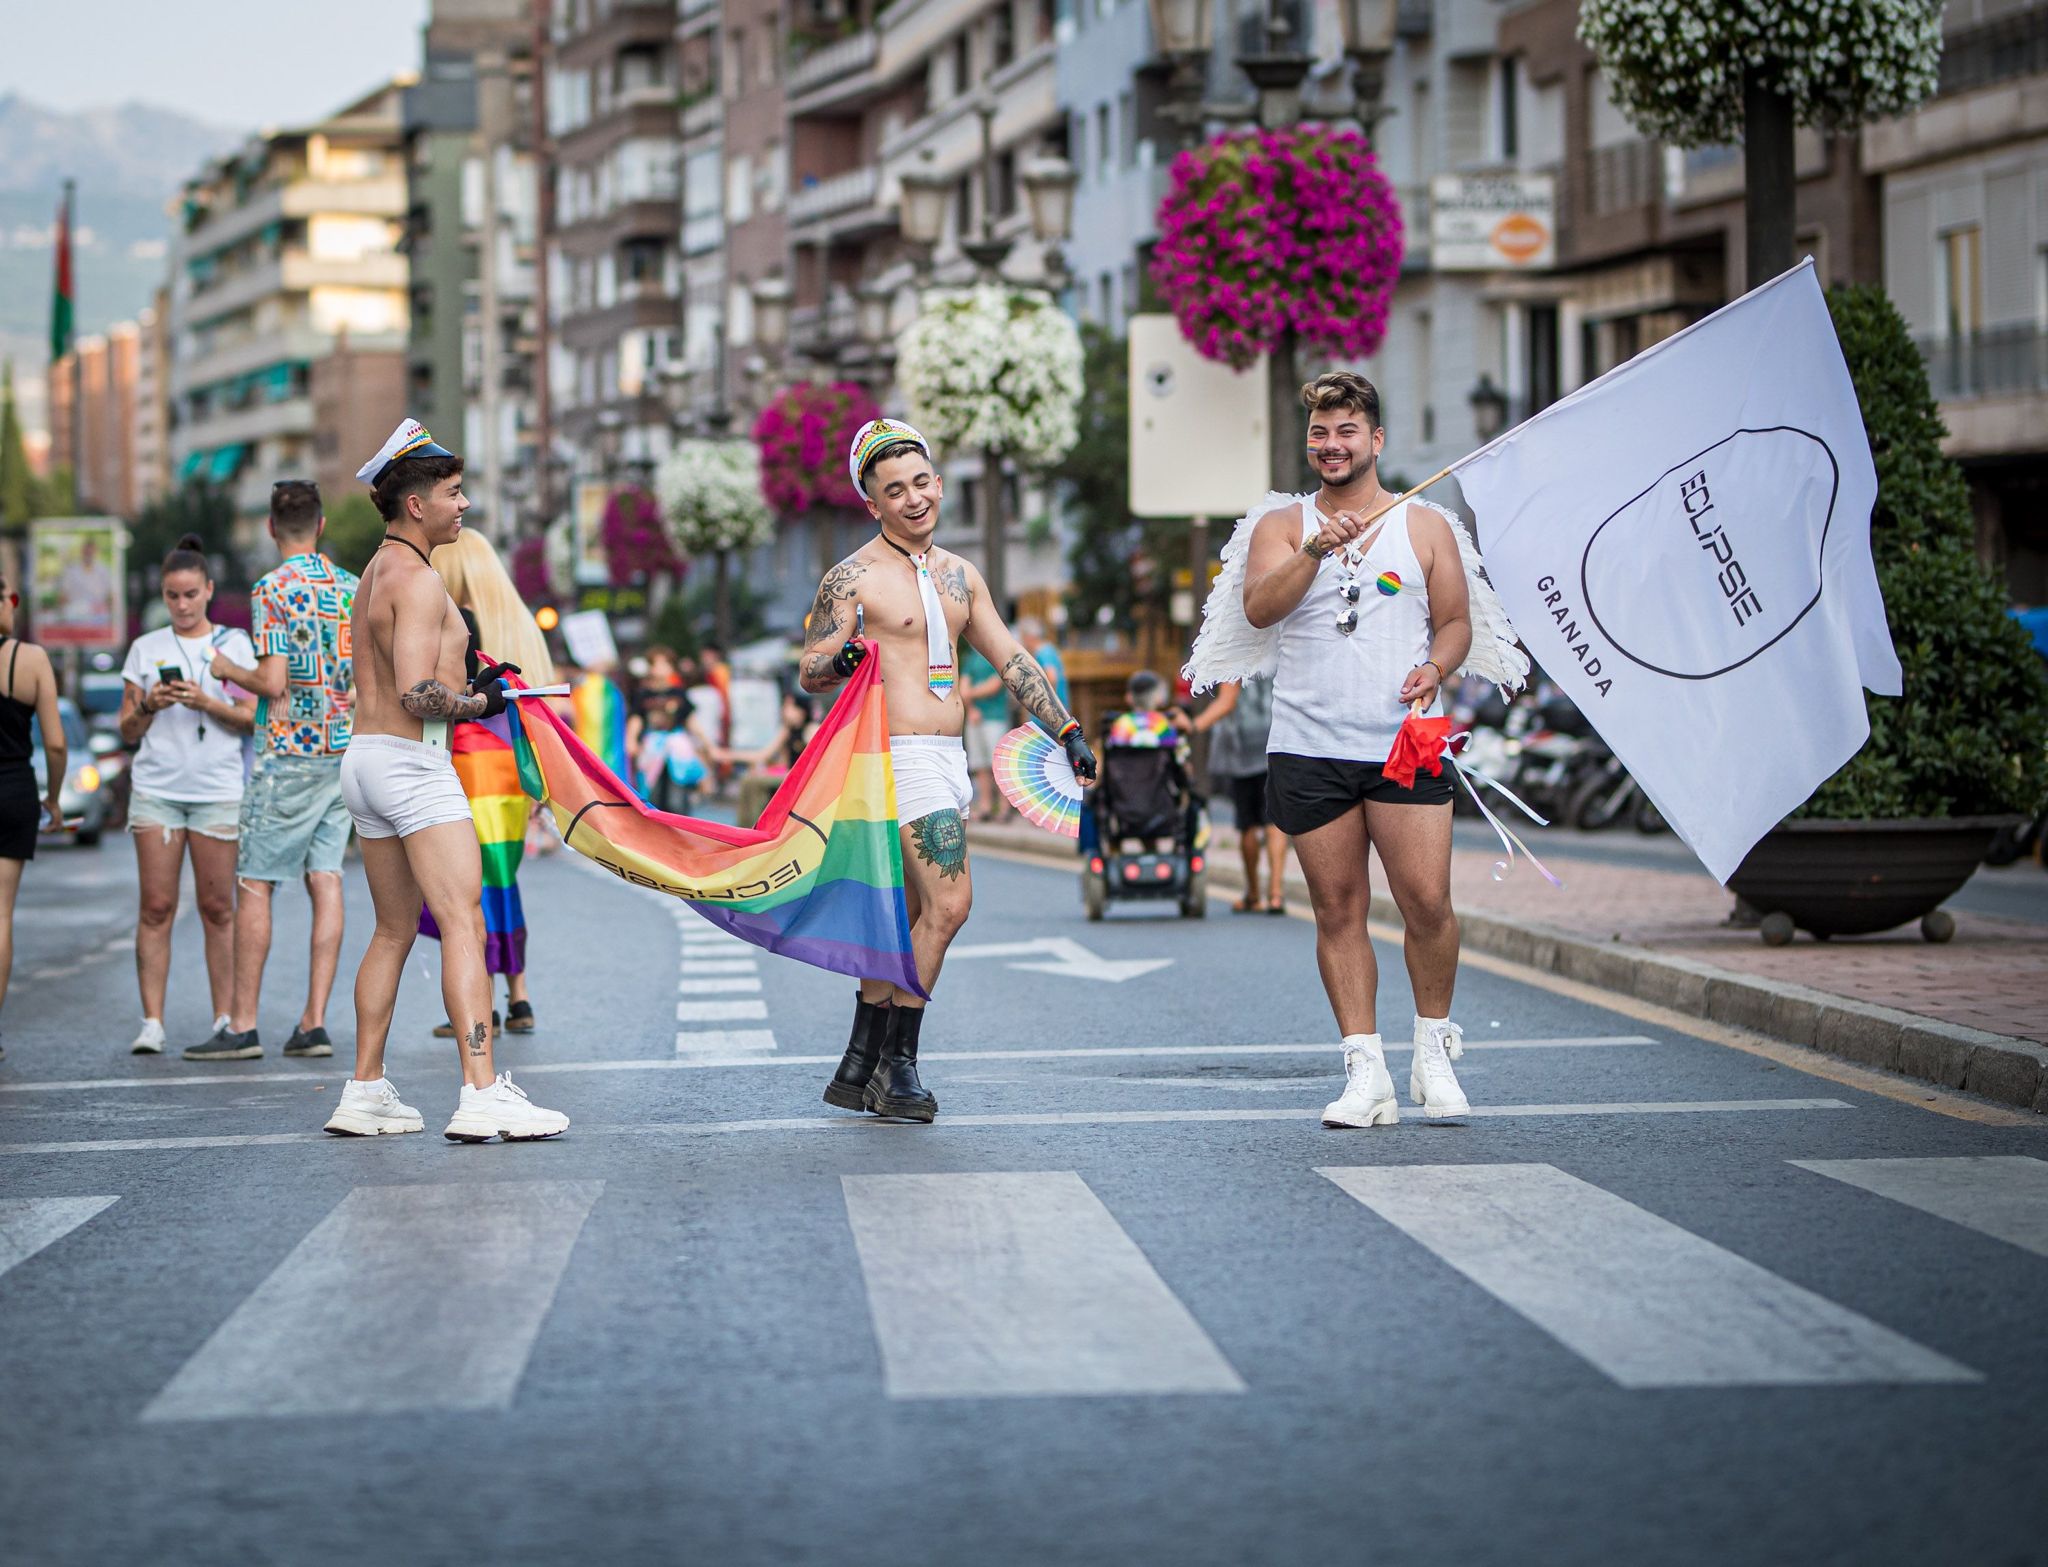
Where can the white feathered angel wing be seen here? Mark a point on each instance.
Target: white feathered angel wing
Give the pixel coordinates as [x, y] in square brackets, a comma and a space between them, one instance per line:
[1230, 647]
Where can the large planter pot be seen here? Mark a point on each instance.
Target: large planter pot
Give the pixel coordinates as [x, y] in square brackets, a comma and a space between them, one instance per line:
[1851, 878]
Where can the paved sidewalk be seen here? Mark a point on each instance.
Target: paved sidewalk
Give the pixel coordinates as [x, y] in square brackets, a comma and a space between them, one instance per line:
[1972, 1013]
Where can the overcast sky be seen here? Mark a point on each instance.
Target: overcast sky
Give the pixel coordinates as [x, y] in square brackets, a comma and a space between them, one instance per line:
[238, 63]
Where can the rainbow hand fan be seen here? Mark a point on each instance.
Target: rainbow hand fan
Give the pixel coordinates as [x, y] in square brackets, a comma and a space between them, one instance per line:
[1032, 770]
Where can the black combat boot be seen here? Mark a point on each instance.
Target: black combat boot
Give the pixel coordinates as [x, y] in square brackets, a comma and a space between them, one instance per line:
[870, 1023]
[894, 1089]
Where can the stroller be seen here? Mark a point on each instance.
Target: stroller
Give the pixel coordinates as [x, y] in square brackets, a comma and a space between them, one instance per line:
[1144, 794]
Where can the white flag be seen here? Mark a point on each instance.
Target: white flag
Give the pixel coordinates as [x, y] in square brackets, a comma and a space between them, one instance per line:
[1684, 546]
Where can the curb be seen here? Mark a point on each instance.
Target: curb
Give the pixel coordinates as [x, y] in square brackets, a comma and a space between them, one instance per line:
[2010, 1071]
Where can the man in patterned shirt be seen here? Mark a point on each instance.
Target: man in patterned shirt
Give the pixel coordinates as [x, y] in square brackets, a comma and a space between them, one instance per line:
[294, 823]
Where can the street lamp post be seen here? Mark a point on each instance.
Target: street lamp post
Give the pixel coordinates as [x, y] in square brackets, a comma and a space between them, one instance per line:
[1489, 408]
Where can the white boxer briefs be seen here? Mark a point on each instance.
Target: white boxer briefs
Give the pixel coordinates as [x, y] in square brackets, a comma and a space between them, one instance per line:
[931, 775]
[395, 787]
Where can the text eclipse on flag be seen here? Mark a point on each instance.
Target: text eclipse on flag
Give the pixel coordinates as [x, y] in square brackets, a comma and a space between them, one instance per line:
[1684, 548]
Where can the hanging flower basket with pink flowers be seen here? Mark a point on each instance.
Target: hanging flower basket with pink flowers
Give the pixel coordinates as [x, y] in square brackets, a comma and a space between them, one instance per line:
[636, 543]
[1269, 232]
[803, 435]
[530, 568]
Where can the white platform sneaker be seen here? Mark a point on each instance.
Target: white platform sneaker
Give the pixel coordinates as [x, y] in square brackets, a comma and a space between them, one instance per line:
[1431, 1082]
[1368, 1097]
[150, 1042]
[372, 1109]
[502, 1110]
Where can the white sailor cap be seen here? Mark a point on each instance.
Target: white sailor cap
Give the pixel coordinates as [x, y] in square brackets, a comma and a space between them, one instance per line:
[871, 438]
[410, 439]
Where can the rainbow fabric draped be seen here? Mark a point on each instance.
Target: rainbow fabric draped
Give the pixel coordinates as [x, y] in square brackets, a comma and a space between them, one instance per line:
[819, 879]
[601, 720]
[489, 771]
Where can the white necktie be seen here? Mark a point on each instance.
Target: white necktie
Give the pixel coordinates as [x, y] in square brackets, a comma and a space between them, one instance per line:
[938, 640]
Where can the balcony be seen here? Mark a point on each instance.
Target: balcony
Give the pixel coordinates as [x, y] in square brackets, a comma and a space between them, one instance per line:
[644, 307]
[1993, 389]
[655, 217]
[835, 194]
[703, 115]
[703, 232]
[246, 426]
[831, 63]
[1622, 178]
[643, 24]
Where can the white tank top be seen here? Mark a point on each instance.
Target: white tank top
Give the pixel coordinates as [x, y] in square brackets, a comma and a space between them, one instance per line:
[1338, 696]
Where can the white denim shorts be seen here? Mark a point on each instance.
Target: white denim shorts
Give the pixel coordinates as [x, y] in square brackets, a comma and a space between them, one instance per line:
[931, 775]
[395, 787]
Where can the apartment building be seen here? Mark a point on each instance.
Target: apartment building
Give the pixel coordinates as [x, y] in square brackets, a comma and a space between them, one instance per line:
[699, 63]
[471, 236]
[286, 248]
[152, 427]
[103, 426]
[615, 259]
[1965, 194]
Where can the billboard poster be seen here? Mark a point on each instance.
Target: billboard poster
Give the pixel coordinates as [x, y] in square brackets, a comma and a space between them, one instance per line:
[76, 580]
[1492, 223]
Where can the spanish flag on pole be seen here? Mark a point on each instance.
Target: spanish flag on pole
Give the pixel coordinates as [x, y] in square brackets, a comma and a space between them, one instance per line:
[60, 300]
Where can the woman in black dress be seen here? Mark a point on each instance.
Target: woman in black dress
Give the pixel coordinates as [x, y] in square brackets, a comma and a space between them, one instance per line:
[28, 690]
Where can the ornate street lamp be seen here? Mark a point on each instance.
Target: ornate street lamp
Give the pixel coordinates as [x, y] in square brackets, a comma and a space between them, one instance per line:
[871, 312]
[1489, 408]
[1368, 28]
[1049, 199]
[771, 312]
[1183, 27]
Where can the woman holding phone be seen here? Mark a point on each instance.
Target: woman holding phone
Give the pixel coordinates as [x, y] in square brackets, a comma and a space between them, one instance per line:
[187, 728]
[28, 692]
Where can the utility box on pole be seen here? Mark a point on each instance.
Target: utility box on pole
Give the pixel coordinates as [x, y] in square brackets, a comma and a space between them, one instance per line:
[1198, 428]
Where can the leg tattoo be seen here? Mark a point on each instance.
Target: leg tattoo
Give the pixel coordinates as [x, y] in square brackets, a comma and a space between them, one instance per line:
[479, 1036]
[941, 842]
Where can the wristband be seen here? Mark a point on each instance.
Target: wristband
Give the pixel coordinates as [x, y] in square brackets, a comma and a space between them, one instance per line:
[1433, 664]
[1308, 547]
[1073, 728]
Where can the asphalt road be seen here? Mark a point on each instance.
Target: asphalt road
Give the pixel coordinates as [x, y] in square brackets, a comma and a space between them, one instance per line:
[1662, 1299]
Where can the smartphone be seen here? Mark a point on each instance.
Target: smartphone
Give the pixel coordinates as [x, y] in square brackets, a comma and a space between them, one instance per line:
[167, 674]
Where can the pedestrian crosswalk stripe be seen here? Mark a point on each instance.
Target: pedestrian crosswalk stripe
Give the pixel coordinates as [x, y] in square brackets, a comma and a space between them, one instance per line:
[720, 966]
[720, 1011]
[724, 984]
[1646, 1302]
[723, 1041]
[314, 1073]
[2005, 1197]
[450, 1283]
[28, 1224]
[1006, 1286]
[867, 1125]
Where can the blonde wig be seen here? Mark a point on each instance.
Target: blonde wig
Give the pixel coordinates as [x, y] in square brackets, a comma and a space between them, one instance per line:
[477, 580]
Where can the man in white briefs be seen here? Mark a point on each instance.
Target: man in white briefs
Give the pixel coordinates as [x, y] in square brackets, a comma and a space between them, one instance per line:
[418, 839]
[917, 603]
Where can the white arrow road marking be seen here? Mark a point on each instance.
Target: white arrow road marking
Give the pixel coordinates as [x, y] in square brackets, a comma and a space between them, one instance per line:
[1070, 960]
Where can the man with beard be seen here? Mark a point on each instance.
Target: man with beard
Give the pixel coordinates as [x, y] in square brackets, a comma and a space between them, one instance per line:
[916, 602]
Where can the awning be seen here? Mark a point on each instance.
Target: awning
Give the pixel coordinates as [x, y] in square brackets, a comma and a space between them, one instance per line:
[193, 462]
[226, 461]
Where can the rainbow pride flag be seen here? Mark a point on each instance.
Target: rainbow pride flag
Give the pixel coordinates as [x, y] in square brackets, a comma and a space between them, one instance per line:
[820, 879]
[489, 771]
[601, 720]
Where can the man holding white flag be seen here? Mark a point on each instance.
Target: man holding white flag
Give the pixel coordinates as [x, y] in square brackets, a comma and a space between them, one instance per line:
[1684, 547]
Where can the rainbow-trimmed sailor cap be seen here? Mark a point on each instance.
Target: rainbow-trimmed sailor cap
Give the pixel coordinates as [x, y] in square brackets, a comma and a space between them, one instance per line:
[871, 438]
[410, 439]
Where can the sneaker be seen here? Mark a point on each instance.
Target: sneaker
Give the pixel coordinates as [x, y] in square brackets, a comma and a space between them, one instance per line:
[226, 1045]
[150, 1042]
[1368, 1097]
[309, 1042]
[368, 1109]
[519, 1018]
[446, 1030]
[502, 1110]
[1431, 1082]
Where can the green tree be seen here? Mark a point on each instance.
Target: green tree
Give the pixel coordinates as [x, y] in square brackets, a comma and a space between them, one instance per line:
[353, 532]
[17, 482]
[1969, 735]
[1115, 562]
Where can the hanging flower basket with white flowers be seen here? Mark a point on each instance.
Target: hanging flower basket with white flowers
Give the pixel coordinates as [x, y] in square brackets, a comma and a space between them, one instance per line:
[993, 368]
[711, 495]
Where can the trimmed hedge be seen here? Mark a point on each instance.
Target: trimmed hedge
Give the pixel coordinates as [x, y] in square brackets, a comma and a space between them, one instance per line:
[1969, 736]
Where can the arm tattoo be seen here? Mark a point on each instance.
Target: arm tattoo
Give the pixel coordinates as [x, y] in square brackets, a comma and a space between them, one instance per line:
[815, 673]
[1034, 692]
[941, 842]
[836, 589]
[431, 699]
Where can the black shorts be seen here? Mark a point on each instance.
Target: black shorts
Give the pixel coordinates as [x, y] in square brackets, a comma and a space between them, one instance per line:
[1307, 792]
[21, 809]
[1248, 801]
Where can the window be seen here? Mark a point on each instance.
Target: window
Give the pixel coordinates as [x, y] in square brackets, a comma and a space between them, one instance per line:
[963, 65]
[739, 189]
[963, 207]
[1002, 34]
[1006, 184]
[1543, 370]
[1127, 133]
[736, 61]
[1958, 281]
[1104, 146]
[1509, 128]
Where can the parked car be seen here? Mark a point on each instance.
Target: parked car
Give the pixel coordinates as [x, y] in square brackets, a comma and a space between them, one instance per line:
[93, 765]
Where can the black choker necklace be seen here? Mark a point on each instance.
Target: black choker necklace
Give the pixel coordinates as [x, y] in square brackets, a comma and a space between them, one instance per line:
[392, 538]
[899, 549]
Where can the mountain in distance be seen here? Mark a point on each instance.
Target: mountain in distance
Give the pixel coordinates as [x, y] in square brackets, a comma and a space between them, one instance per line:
[129, 162]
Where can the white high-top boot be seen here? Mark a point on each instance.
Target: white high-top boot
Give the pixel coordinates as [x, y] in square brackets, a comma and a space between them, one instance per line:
[1368, 1097]
[1431, 1082]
